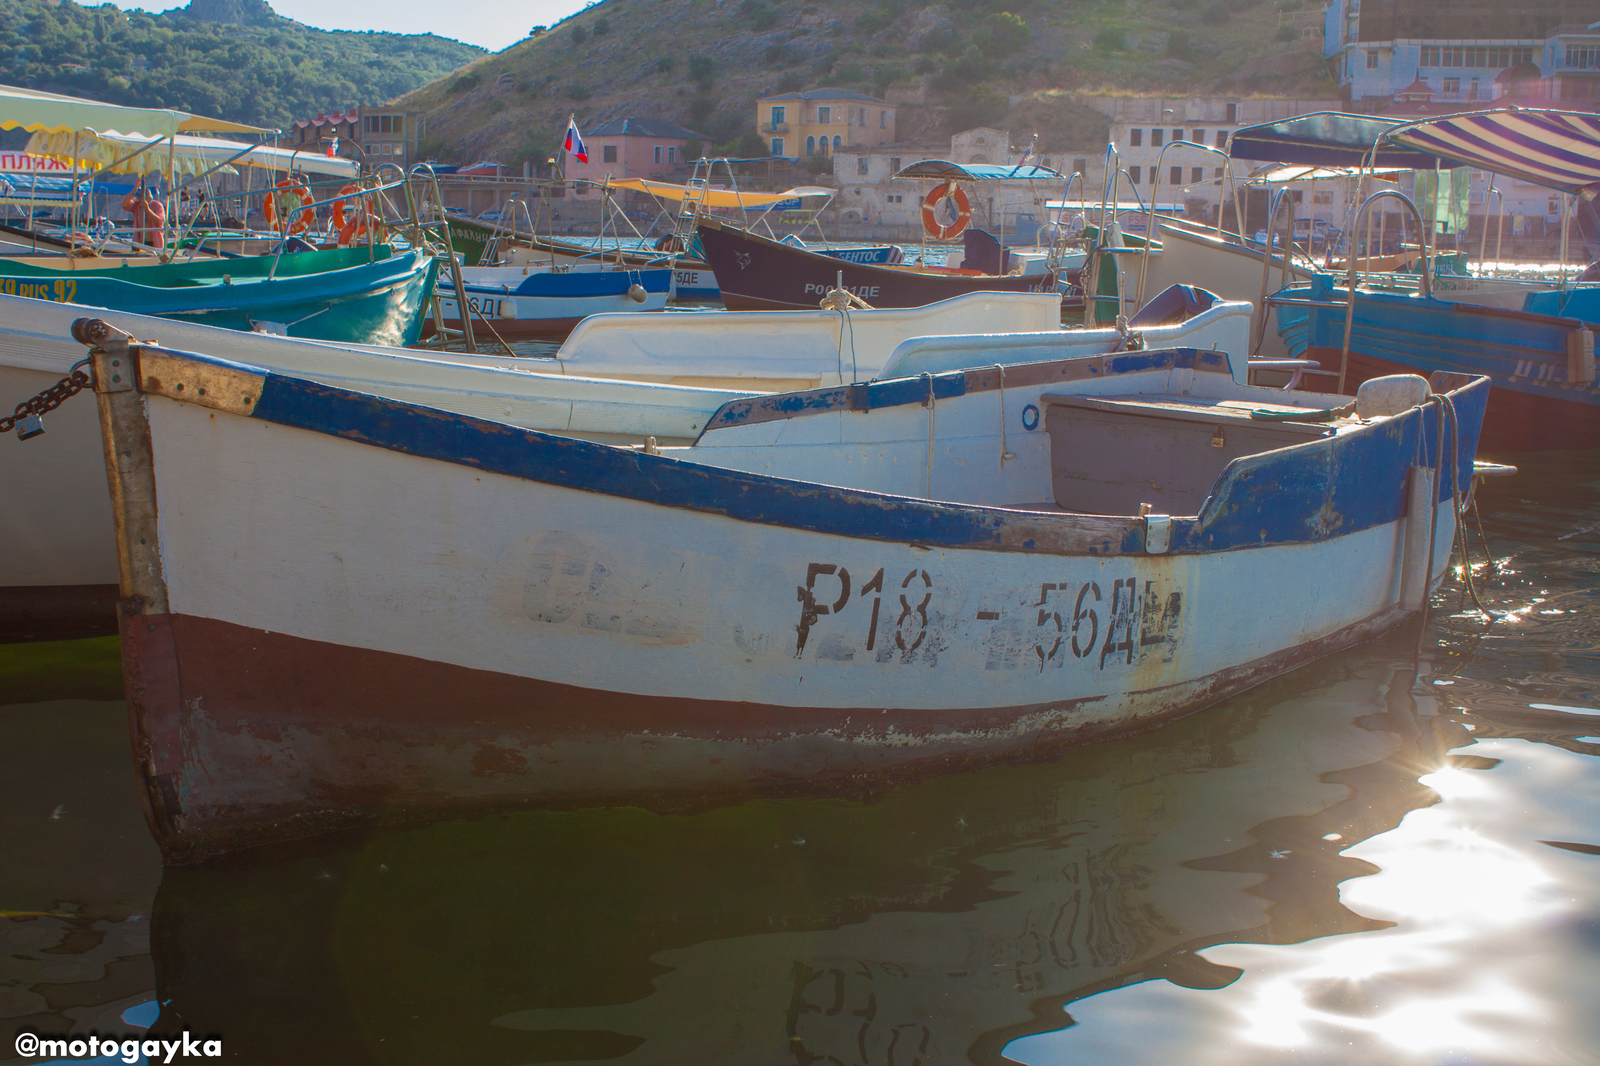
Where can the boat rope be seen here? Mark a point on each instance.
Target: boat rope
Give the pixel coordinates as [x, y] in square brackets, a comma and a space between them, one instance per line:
[1005, 451]
[1433, 519]
[931, 404]
[28, 418]
[1458, 499]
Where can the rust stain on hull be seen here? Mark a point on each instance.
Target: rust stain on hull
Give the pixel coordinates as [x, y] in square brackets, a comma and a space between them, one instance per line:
[246, 738]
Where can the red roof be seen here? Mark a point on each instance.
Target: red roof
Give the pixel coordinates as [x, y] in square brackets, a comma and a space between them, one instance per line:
[352, 115]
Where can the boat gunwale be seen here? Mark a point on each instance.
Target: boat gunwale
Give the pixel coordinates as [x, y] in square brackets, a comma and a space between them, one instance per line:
[1319, 473]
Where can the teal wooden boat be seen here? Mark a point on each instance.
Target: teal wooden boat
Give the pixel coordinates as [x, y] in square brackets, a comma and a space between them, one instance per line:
[342, 295]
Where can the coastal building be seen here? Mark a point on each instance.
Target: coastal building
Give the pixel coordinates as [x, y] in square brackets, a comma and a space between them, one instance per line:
[634, 148]
[821, 122]
[375, 135]
[1467, 53]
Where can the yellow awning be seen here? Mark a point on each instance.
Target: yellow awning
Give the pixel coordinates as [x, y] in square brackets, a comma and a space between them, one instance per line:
[34, 111]
[190, 155]
[720, 197]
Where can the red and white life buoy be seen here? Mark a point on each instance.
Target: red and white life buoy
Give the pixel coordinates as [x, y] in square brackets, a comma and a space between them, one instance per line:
[930, 220]
[359, 226]
[287, 188]
[339, 219]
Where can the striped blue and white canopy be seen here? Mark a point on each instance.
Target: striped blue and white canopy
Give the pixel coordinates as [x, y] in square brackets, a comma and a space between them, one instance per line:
[1556, 149]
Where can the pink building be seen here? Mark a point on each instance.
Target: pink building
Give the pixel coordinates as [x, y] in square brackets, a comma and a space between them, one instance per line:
[633, 148]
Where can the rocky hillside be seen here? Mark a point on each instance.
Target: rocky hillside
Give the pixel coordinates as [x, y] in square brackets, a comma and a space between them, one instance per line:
[1024, 64]
[232, 59]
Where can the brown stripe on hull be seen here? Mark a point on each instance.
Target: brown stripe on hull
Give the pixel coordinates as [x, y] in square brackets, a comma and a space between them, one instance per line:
[245, 737]
[56, 612]
[1513, 421]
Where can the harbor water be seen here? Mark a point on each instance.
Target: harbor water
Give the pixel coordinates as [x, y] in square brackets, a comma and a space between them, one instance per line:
[1391, 856]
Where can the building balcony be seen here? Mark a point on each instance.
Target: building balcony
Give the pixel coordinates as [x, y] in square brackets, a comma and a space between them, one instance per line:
[779, 128]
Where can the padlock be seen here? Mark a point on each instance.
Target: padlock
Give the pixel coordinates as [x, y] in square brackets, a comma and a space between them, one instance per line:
[30, 427]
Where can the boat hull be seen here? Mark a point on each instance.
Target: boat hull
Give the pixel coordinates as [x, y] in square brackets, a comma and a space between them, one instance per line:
[1532, 407]
[756, 274]
[490, 629]
[547, 303]
[381, 302]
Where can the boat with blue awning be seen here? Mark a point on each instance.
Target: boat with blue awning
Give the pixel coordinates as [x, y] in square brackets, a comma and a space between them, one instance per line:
[1534, 339]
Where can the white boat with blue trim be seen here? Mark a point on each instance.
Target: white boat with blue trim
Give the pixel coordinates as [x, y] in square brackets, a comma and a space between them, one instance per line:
[340, 609]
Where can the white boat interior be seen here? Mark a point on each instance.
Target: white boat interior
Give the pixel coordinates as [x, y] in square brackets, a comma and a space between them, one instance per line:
[1115, 435]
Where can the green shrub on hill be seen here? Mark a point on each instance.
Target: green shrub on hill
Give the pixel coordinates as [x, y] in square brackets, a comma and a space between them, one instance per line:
[266, 72]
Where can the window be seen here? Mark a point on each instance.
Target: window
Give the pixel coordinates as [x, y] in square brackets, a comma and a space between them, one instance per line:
[1198, 174]
[1080, 166]
[1452, 85]
[1177, 175]
[1217, 173]
[1198, 136]
[861, 165]
[672, 153]
[777, 116]
[385, 124]
[1133, 175]
[1135, 138]
[1222, 138]
[1177, 135]
[894, 164]
[1233, 114]
[1372, 60]
[1474, 94]
[658, 153]
[883, 120]
[811, 147]
[608, 153]
[1476, 57]
[1582, 58]
[863, 121]
[777, 146]
[824, 115]
[837, 143]
[1155, 138]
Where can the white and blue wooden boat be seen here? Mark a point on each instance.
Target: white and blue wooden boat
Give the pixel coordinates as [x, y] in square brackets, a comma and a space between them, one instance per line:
[546, 302]
[778, 351]
[352, 609]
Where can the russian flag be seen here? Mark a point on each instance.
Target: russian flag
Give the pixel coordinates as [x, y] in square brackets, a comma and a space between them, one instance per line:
[333, 147]
[574, 145]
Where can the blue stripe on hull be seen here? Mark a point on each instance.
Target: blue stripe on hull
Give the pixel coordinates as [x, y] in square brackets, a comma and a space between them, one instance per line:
[1524, 352]
[1302, 494]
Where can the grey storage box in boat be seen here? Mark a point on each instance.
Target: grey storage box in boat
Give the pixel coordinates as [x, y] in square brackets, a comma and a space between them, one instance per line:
[1109, 456]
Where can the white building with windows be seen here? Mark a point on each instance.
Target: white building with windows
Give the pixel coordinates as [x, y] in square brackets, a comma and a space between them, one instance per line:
[868, 193]
[1468, 53]
[1179, 144]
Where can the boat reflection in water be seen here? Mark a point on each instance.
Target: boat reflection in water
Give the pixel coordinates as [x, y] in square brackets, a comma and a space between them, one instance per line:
[940, 923]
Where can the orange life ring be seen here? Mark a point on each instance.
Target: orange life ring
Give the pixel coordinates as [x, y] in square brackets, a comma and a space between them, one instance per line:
[338, 205]
[286, 188]
[940, 193]
[359, 226]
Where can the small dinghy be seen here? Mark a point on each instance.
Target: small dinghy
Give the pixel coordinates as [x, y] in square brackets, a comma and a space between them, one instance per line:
[340, 609]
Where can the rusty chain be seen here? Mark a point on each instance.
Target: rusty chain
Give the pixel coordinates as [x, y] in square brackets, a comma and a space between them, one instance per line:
[77, 379]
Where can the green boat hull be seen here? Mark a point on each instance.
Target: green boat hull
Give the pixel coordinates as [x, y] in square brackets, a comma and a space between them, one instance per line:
[332, 296]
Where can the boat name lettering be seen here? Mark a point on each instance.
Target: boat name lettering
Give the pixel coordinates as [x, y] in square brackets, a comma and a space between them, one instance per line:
[485, 306]
[686, 277]
[866, 292]
[1120, 623]
[60, 290]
